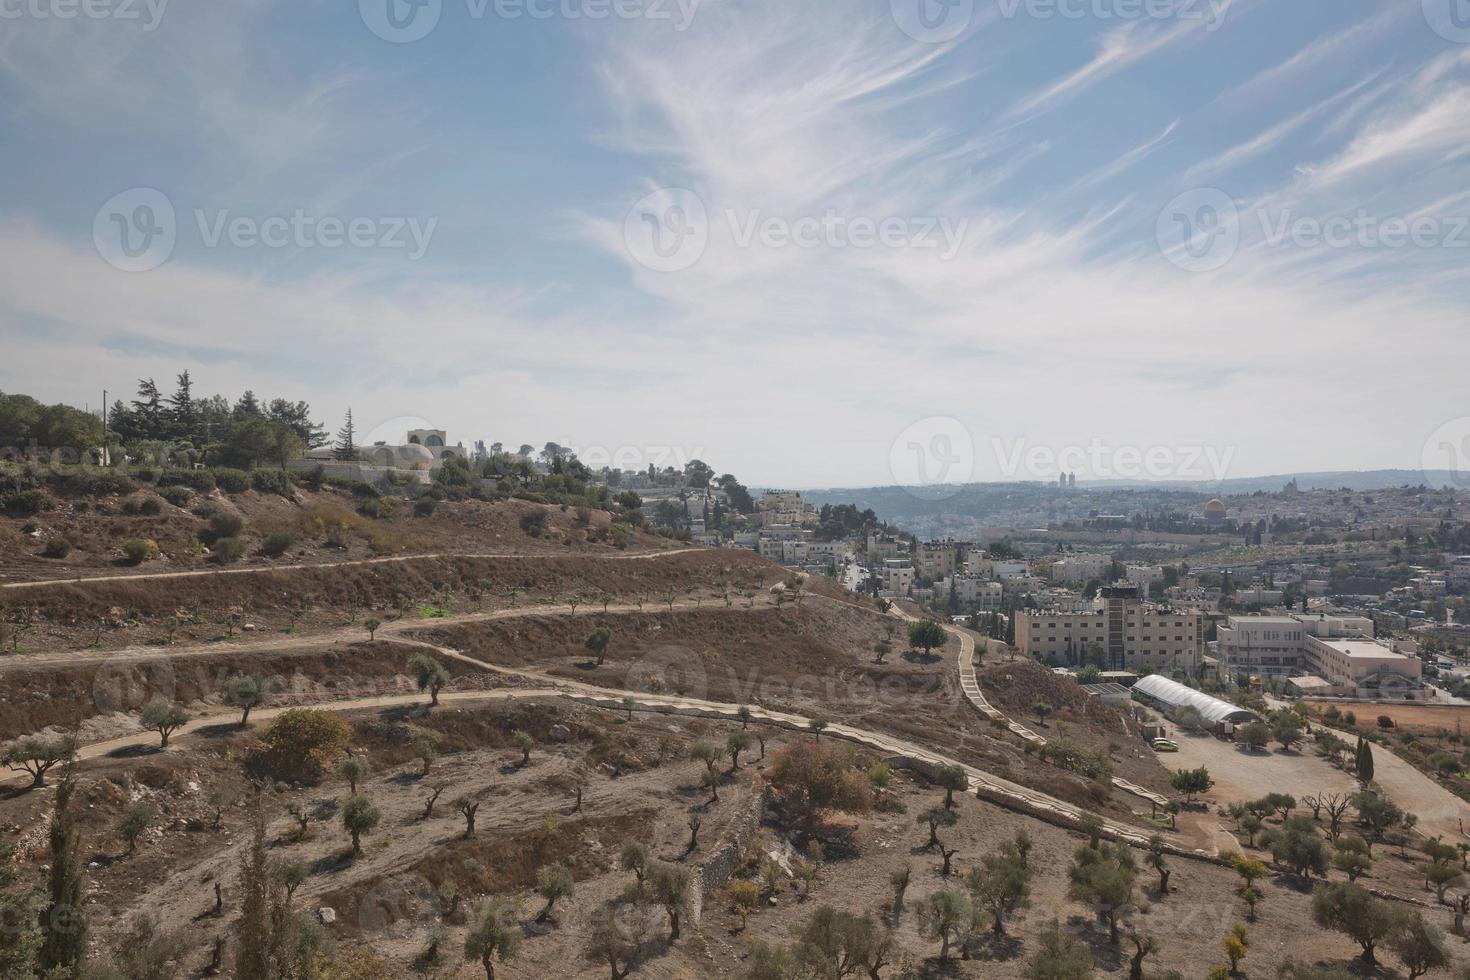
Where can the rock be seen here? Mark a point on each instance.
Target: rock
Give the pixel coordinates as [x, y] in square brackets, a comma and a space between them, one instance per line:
[326, 916]
[249, 627]
[560, 733]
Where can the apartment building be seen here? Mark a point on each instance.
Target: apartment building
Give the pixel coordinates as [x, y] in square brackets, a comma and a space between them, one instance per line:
[1081, 568]
[1131, 635]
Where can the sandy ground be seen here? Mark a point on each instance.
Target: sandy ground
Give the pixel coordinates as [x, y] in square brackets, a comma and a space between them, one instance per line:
[1241, 775]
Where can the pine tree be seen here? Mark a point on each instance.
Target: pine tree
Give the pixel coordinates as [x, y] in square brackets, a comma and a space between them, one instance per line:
[64, 921]
[148, 410]
[247, 407]
[181, 415]
[346, 448]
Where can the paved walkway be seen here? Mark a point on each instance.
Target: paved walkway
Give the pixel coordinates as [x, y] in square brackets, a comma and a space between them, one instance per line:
[970, 684]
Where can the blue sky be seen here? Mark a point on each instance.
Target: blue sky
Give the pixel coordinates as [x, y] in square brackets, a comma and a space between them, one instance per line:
[1134, 194]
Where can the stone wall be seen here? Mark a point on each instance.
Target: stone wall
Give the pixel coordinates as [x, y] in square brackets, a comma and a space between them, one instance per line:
[713, 874]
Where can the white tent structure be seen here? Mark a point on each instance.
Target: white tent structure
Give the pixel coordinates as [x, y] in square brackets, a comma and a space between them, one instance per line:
[1169, 696]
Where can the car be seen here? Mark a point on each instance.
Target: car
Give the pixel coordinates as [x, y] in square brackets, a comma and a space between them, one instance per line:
[1165, 745]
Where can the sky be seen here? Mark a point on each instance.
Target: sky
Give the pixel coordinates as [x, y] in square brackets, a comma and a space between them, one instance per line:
[832, 243]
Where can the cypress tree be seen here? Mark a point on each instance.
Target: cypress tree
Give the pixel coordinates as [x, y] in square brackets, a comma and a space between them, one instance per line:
[64, 920]
[1365, 762]
[253, 951]
[346, 448]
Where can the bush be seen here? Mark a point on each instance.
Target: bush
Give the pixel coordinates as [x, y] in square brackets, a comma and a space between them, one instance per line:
[225, 551]
[302, 745]
[315, 477]
[226, 525]
[231, 480]
[276, 545]
[137, 551]
[150, 507]
[273, 481]
[26, 503]
[57, 547]
[201, 480]
[371, 507]
[92, 484]
[534, 523]
[178, 496]
[423, 507]
[361, 488]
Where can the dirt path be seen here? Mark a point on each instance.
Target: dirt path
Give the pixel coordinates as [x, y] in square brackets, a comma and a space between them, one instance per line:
[618, 700]
[347, 634]
[432, 556]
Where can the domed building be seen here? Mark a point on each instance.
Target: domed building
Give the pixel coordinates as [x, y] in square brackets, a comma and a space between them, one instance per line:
[1215, 511]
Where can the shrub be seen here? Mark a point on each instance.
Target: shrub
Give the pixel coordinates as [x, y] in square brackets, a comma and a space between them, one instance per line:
[807, 777]
[302, 744]
[276, 545]
[423, 507]
[178, 496]
[315, 477]
[57, 547]
[272, 481]
[92, 484]
[137, 551]
[231, 480]
[371, 507]
[225, 551]
[201, 480]
[150, 507]
[362, 488]
[26, 503]
[534, 523]
[226, 525]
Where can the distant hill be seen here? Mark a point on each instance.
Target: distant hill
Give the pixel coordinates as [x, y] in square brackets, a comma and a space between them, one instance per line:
[1331, 480]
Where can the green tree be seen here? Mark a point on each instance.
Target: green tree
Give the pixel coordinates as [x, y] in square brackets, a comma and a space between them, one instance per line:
[345, 448]
[1103, 878]
[247, 692]
[553, 883]
[669, 884]
[64, 919]
[38, 755]
[1419, 945]
[494, 934]
[1351, 910]
[1191, 782]
[926, 635]
[136, 819]
[951, 779]
[597, 642]
[942, 914]
[354, 769]
[164, 717]
[359, 817]
[1000, 885]
[1058, 957]
[1255, 735]
[429, 674]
